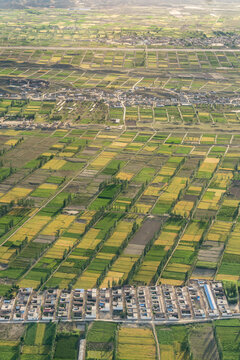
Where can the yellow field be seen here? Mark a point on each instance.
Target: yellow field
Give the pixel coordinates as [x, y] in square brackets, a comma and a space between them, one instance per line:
[54, 164]
[90, 240]
[47, 154]
[124, 175]
[209, 165]
[103, 159]
[191, 139]
[222, 179]
[230, 203]
[166, 239]
[203, 277]
[59, 224]
[166, 171]
[186, 247]
[120, 269]
[136, 344]
[172, 190]
[172, 227]
[196, 189]
[206, 139]
[118, 144]
[173, 282]
[159, 179]
[30, 229]
[233, 241]
[176, 185]
[141, 208]
[225, 277]
[104, 256]
[211, 199]
[198, 152]
[87, 280]
[11, 142]
[119, 235]
[9, 132]
[57, 146]
[152, 191]
[48, 186]
[28, 283]
[193, 233]
[9, 342]
[63, 275]
[150, 148]
[15, 194]
[219, 231]
[111, 277]
[62, 131]
[5, 254]
[104, 136]
[178, 267]
[121, 204]
[183, 208]
[71, 148]
[66, 154]
[79, 227]
[167, 352]
[59, 247]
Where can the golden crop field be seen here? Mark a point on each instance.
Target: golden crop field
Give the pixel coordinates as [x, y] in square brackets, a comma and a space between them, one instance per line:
[136, 344]
[54, 164]
[103, 159]
[58, 225]
[15, 194]
[11, 142]
[30, 229]
[124, 176]
[183, 208]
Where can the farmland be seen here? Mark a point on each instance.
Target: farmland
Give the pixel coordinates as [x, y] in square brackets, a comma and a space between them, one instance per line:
[106, 340]
[127, 207]
[119, 180]
[116, 24]
[136, 344]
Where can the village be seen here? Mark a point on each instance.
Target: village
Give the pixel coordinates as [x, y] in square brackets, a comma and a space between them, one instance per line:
[198, 301]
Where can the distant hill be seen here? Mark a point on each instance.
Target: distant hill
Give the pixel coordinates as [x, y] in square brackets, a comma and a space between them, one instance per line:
[21, 4]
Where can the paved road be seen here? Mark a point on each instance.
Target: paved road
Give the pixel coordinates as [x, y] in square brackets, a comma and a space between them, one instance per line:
[114, 48]
[126, 321]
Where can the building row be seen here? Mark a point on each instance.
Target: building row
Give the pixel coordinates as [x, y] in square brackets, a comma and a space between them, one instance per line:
[197, 300]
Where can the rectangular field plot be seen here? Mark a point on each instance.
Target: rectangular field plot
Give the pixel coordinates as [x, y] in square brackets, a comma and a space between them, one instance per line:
[171, 341]
[38, 341]
[134, 343]
[101, 340]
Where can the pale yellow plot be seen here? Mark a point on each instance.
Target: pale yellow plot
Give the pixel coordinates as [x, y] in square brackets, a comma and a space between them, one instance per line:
[15, 194]
[124, 176]
[54, 164]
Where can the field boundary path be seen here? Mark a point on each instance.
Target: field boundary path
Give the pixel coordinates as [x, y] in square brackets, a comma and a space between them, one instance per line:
[156, 341]
[82, 348]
